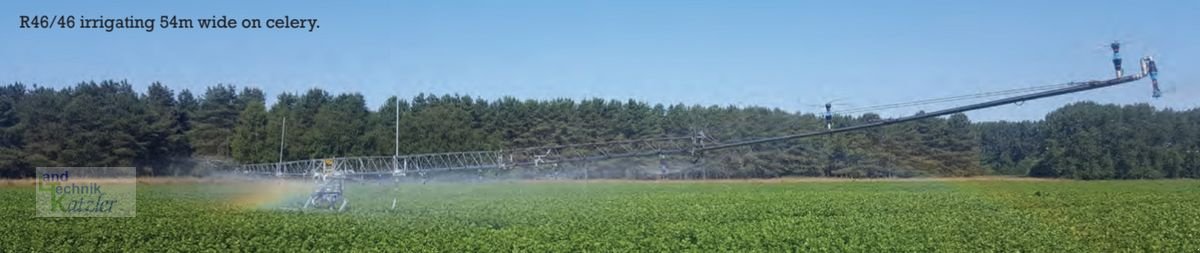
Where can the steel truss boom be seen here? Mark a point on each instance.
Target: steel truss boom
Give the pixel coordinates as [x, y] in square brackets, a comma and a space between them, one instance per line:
[555, 155]
[478, 160]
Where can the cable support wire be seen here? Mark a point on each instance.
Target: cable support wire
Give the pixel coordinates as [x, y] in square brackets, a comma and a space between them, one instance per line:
[951, 99]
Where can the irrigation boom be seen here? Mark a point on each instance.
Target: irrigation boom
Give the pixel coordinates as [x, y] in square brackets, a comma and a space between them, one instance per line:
[1071, 88]
[403, 165]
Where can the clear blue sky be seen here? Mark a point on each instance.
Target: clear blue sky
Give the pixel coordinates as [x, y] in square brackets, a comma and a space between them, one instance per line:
[765, 53]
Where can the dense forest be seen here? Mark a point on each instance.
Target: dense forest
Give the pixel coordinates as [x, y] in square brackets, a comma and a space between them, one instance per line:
[164, 133]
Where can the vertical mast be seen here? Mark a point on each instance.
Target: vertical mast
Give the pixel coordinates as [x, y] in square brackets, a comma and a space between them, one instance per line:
[282, 133]
[397, 145]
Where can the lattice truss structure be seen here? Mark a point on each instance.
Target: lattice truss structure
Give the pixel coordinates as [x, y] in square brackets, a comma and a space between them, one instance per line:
[476, 160]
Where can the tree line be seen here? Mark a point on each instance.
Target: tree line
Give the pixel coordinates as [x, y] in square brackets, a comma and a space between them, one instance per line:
[164, 133]
[1086, 140]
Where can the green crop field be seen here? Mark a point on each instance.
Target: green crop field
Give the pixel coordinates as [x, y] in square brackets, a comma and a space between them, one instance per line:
[863, 216]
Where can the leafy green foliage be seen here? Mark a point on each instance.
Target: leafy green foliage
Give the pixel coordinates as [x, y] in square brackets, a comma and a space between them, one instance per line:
[248, 135]
[1091, 141]
[214, 120]
[831, 216]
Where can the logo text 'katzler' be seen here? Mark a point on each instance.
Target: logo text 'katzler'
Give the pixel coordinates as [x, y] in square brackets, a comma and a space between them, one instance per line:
[86, 192]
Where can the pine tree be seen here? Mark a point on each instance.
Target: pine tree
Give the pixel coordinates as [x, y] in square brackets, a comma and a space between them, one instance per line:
[12, 161]
[164, 131]
[249, 136]
[339, 127]
[212, 128]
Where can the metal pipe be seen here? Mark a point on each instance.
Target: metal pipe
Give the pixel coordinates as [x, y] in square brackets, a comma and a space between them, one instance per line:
[282, 133]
